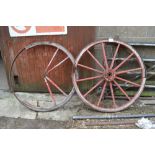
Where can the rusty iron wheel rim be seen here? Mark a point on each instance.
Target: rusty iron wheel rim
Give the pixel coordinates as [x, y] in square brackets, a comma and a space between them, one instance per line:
[47, 80]
[109, 74]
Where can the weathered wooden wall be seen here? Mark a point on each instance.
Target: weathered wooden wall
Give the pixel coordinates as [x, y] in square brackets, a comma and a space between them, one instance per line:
[30, 65]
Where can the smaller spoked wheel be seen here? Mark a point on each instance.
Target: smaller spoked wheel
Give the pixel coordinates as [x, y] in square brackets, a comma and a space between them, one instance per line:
[48, 65]
[109, 75]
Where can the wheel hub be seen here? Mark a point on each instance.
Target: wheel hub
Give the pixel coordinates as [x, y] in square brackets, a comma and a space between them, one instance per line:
[109, 75]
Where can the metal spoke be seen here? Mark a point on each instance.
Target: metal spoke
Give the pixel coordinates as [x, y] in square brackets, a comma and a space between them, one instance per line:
[97, 84]
[95, 60]
[89, 68]
[114, 57]
[58, 64]
[51, 94]
[129, 70]
[55, 85]
[54, 55]
[104, 56]
[122, 90]
[133, 83]
[102, 93]
[89, 78]
[112, 94]
[126, 59]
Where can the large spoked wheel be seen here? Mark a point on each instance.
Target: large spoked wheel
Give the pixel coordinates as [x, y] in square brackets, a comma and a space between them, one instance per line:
[59, 57]
[109, 75]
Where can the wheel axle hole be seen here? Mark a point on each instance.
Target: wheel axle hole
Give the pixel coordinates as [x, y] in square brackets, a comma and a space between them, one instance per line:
[109, 74]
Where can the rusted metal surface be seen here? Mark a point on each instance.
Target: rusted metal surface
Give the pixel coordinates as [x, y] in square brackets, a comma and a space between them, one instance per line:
[102, 123]
[141, 44]
[47, 77]
[80, 117]
[76, 38]
[106, 75]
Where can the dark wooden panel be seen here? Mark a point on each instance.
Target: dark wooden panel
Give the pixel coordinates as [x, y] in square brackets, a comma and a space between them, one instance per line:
[30, 66]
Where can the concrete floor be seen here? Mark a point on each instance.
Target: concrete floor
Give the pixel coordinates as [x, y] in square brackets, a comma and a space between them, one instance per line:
[19, 123]
[15, 115]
